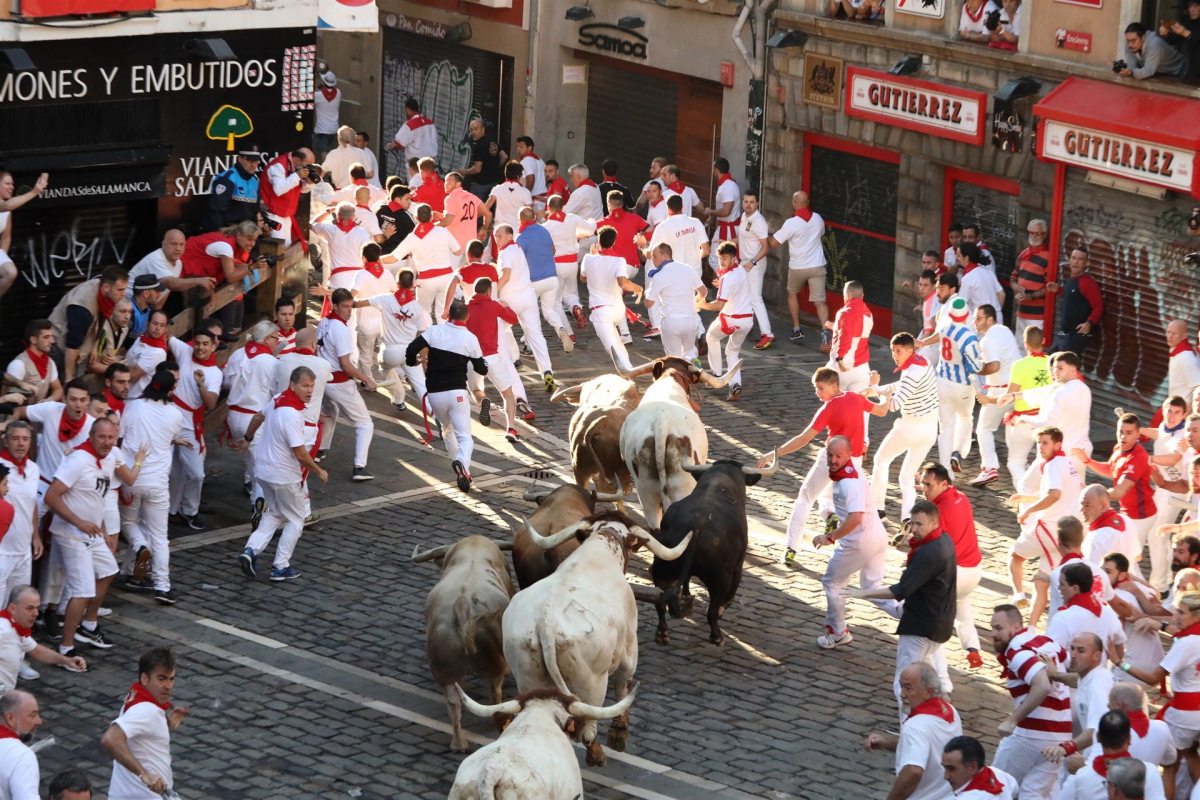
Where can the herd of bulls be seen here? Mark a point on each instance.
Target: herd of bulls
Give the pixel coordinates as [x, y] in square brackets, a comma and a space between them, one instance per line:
[572, 626]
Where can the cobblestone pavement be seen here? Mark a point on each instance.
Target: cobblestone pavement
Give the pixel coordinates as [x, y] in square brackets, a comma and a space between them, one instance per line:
[318, 688]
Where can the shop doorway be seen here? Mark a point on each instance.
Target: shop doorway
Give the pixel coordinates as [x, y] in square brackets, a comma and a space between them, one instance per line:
[993, 204]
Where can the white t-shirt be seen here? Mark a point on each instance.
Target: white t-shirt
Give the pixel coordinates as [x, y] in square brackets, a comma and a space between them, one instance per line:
[1071, 621]
[338, 163]
[922, 738]
[512, 260]
[735, 291]
[16, 368]
[803, 240]
[367, 220]
[1086, 784]
[367, 285]
[999, 344]
[602, 272]
[532, 165]
[566, 232]
[1101, 587]
[1183, 374]
[320, 368]
[155, 263]
[750, 235]
[19, 775]
[1183, 664]
[23, 495]
[1100, 542]
[417, 139]
[146, 358]
[345, 248]
[1090, 701]
[1068, 406]
[1143, 649]
[154, 424]
[274, 460]
[585, 201]
[149, 739]
[401, 323]
[656, 213]
[511, 197]
[13, 648]
[87, 483]
[979, 286]
[325, 112]
[51, 451]
[727, 192]
[685, 235]
[335, 341]
[437, 249]
[251, 381]
[1059, 473]
[852, 495]
[186, 389]
[674, 289]
[690, 198]
[975, 24]
[1156, 747]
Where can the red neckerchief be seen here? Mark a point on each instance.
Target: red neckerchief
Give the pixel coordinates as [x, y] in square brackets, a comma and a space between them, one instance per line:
[330, 92]
[984, 781]
[374, 267]
[160, 342]
[87, 448]
[289, 333]
[723, 270]
[1139, 723]
[359, 181]
[970, 266]
[518, 183]
[1070, 557]
[459, 322]
[304, 351]
[847, 471]
[418, 121]
[804, 213]
[588, 182]
[211, 361]
[934, 707]
[1037, 353]
[7, 732]
[405, 296]
[676, 186]
[510, 244]
[422, 229]
[521, 228]
[1085, 600]
[532, 155]
[1100, 763]
[724, 177]
[334, 315]
[114, 402]
[20, 465]
[140, 694]
[257, 349]
[1183, 347]
[345, 225]
[104, 306]
[656, 205]
[913, 360]
[913, 544]
[1190, 630]
[364, 208]
[557, 216]
[22, 632]
[68, 428]
[1109, 519]
[40, 360]
[974, 17]
[288, 398]
[608, 252]
[394, 205]
[1057, 453]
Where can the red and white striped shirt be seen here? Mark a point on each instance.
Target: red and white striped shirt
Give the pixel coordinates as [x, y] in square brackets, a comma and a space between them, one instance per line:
[852, 333]
[1052, 719]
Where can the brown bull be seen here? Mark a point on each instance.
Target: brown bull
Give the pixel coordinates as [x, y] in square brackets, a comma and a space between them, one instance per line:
[594, 434]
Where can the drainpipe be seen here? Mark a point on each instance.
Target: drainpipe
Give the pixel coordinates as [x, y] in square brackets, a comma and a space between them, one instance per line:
[531, 68]
[757, 61]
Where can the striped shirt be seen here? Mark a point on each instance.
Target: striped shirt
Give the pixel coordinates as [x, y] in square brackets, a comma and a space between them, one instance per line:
[960, 356]
[1052, 718]
[915, 394]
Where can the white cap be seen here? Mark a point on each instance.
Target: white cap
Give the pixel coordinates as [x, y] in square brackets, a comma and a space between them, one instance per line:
[329, 78]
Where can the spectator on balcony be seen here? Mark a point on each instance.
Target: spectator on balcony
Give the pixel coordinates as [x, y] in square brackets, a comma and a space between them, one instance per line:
[972, 24]
[1004, 29]
[1147, 55]
[1185, 35]
[857, 9]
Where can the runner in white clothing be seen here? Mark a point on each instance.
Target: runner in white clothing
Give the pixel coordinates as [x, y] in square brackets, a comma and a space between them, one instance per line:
[735, 317]
[345, 239]
[977, 280]
[403, 319]
[964, 764]
[999, 347]
[674, 186]
[567, 230]
[506, 200]
[1067, 405]
[434, 252]
[689, 245]
[19, 720]
[802, 232]
[249, 375]
[726, 211]
[517, 293]
[23, 542]
[336, 346]
[371, 281]
[673, 289]
[196, 392]
[604, 274]
[305, 355]
[144, 355]
[754, 242]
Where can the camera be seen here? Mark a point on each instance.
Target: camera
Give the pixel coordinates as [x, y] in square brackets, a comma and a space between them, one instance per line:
[1191, 260]
[1194, 221]
[269, 259]
[314, 173]
[993, 20]
[1119, 65]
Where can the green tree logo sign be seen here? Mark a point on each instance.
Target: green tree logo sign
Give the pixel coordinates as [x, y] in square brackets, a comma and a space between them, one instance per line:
[227, 124]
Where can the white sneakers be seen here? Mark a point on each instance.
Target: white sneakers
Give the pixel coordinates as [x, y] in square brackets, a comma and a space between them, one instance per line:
[829, 641]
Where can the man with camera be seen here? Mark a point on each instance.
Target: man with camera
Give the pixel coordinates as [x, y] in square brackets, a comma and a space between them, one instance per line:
[288, 176]
[1148, 55]
[1004, 25]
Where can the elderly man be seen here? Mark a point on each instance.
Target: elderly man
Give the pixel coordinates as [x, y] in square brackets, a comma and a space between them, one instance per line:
[585, 201]
[964, 764]
[338, 161]
[166, 264]
[485, 162]
[19, 720]
[16, 638]
[931, 723]
[1028, 279]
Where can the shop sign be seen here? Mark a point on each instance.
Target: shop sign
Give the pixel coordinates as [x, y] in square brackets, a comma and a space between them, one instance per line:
[1073, 40]
[916, 105]
[611, 39]
[822, 82]
[71, 8]
[1087, 3]
[105, 185]
[1122, 156]
[1008, 125]
[923, 8]
[421, 27]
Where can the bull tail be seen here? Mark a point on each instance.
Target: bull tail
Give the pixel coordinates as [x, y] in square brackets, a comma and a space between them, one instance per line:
[661, 441]
[464, 624]
[547, 633]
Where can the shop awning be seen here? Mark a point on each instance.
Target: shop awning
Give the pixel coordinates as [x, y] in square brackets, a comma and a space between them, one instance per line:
[1130, 133]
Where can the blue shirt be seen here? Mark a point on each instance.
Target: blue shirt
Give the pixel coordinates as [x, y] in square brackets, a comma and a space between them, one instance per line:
[538, 246]
[966, 343]
[138, 320]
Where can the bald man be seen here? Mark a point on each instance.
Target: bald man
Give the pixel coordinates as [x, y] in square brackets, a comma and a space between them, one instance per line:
[802, 233]
[165, 264]
[1183, 368]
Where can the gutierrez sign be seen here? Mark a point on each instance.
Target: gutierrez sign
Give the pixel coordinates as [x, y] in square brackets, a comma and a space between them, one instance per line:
[1124, 157]
[921, 106]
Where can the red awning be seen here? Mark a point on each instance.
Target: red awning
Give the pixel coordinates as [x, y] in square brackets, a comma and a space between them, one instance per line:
[1124, 131]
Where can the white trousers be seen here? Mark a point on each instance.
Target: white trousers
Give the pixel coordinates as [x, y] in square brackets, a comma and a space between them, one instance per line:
[1021, 757]
[368, 341]
[187, 474]
[15, 571]
[393, 359]
[913, 436]
[431, 292]
[605, 321]
[525, 306]
[343, 398]
[756, 276]
[956, 407]
[864, 557]
[910, 650]
[964, 616]
[1167, 514]
[990, 418]
[238, 422]
[550, 300]
[678, 336]
[453, 410]
[568, 284]
[1160, 551]
[311, 436]
[854, 379]
[144, 523]
[1018, 439]
[285, 506]
[815, 484]
[733, 346]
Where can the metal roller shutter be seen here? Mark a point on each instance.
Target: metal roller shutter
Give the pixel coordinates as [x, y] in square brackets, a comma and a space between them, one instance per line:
[1136, 247]
[997, 214]
[632, 140]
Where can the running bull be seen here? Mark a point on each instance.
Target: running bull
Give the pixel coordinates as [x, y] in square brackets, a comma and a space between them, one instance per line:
[595, 431]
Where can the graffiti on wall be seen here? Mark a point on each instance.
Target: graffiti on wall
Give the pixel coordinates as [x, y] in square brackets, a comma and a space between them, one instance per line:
[445, 91]
[51, 256]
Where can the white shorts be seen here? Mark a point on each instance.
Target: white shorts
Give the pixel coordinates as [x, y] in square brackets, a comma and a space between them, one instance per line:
[1038, 541]
[499, 373]
[84, 563]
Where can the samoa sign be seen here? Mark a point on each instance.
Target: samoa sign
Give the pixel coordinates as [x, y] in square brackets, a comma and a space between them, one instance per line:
[611, 39]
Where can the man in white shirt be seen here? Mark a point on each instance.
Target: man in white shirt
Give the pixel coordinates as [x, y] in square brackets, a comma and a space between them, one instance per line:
[533, 170]
[418, 136]
[999, 345]
[434, 252]
[977, 281]
[516, 291]
[370, 281]
[674, 185]
[165, 264]
[336, 345]
[964, 763]
[656, 204]
[754, 242]
[1084, 612]
[337, 164]
[402, 320]
[1112, 774]
[16, 640]
[585, 200]
[604, 274]
[139, 739]
[567, 229]
[249, 375]
[345, 240]
[672, 291]
[145, 354]
[506, 200]
[726, 210]
[1183, 363]
[362, 140]
[806, 263]
[196, 392]
[1067, 405]
[327, 103]
[23, 540]
[689, 245]
[305, 355]
[19, 720]
[1093, 682]
[280, 462]
[734, 319]
[65, 426]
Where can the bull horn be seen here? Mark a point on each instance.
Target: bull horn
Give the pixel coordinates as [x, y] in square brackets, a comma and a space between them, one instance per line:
[569, 393]
[721, 382]
[767, 470]
[505, 545]
[696, 469]
[629, 373]
[587, 711]
[658, 548]
[555, 539]
[479, 710]
[609, 497]
[429, 555]
[535, 495]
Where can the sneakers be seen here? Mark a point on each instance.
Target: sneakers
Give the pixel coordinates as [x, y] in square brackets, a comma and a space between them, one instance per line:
[651, 335]
[826, 341]
[956, 461]
[797, 335]
[548, 379]
[192, 521]
[974, 660]
[249, 563]
[361, 474]
[28, 673]
[131, 584]
[831, 640]
[765, 342]
[400, 406]
[986, 475]
[164, 598]
[94, 637]
[247, 489]
[320, 456]
[68, 666]
[285, 574]
[789, 557]
[1019, 599]
[525, 350]
[485, 412]
[525, 411]
[626, 339]
[512, 435]
[899, 537]
[464, 477]
[702, 346]
[831, 524]
[310, 519]
[141, 564]
[568, 341]
[580, 319]
[260, 505]
[735, 393]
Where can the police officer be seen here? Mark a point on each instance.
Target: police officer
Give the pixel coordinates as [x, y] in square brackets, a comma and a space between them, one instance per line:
[234, 193]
